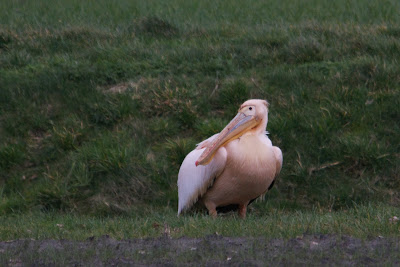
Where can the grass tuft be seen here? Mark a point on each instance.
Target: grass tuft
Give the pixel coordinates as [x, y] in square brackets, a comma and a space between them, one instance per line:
[303, 50]
[233, 95]
[5, 40]
[11, 155]
[178, 149]
[156, 27]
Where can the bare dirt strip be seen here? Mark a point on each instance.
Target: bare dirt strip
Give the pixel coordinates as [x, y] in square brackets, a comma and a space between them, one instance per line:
[211, 250]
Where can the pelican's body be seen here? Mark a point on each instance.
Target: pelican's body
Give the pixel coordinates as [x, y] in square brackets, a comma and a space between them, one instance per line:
[233, 167]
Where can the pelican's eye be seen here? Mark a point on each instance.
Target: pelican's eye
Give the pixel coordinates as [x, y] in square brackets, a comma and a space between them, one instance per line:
[250, 108]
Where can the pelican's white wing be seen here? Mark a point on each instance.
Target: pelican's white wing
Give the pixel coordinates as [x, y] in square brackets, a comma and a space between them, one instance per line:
[277, 153]
[193, 181]
[279, 159]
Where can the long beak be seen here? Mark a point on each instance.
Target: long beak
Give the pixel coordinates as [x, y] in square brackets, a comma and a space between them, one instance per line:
[234, 129]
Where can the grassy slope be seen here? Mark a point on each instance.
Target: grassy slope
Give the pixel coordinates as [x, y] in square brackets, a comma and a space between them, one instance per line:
[329, 69]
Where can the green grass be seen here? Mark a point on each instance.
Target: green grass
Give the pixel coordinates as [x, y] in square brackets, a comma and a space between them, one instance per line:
[364, 221]
[100, 102]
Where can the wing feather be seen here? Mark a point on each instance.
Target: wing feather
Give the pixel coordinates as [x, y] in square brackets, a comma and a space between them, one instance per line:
[193, 181]
[277, 153]
[279, 159]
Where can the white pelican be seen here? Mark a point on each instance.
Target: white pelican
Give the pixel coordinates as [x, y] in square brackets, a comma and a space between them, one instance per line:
[235, 166]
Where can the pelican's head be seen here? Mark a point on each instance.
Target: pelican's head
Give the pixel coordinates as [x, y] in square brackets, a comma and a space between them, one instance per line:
[251, 118]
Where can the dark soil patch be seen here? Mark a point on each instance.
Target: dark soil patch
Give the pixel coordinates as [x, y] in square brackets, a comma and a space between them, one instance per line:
[210, 251]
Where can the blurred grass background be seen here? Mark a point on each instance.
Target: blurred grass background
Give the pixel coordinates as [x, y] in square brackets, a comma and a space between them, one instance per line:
[100, 101]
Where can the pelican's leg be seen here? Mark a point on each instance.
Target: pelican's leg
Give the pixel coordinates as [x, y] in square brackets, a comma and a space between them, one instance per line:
[243, 210]
[212, 209]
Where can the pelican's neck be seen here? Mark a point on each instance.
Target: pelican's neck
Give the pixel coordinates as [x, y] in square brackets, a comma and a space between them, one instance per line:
[260, 128]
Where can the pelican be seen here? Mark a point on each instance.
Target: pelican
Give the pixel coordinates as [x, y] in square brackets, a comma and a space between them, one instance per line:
[233, 167]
